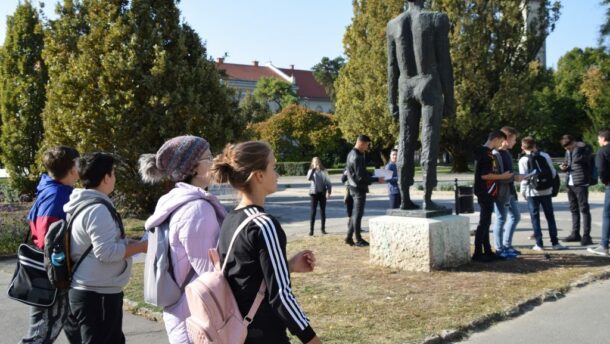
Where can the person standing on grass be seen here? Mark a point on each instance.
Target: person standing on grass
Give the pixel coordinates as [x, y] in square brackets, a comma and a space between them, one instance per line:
[506, 207]
[577, 166]
[358, 179]
[319, 188]
[96, 290]
[486, 177]
[53, 192]
[194, 216]
[258, 253]
[393, 189]
[602, 161]
[535, 197]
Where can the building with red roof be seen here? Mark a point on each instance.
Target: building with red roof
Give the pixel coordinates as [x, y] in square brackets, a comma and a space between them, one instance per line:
[243, 78]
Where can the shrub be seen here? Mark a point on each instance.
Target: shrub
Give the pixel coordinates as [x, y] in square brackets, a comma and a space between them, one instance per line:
[298, 168]
[13, 227]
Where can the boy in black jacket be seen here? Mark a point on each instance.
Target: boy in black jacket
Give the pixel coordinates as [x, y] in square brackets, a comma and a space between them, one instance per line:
[603, 166]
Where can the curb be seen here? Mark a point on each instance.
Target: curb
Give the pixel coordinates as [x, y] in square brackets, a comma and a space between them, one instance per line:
[136, 309]
[452, 335]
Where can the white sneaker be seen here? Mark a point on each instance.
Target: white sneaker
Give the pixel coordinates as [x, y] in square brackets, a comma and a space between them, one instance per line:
[559, 247]
[599, 250]
[537, 248]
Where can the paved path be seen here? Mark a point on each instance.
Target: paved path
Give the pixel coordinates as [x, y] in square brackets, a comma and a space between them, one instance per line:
[291, 205]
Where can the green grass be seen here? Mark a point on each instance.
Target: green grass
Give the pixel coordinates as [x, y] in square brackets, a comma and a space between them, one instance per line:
[351, 301]
[134, 227]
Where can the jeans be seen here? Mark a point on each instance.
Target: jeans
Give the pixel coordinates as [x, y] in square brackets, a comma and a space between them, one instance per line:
[46, 323]
[99, 316]
[355, 225]
[481, 238]
[533, 204]
[606, 219]
[504, 230]
[394, 200]
[578, 197]
[319, 197]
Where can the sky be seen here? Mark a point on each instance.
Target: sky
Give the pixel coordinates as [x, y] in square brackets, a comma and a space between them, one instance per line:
[301, 32]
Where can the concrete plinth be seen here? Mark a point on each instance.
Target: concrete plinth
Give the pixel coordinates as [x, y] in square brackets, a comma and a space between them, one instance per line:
[419, 244]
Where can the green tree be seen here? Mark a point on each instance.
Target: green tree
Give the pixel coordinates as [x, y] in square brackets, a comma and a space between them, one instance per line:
[605, 28]
[326, 73]
[253, 110]
[23, 76]
[361, 88]
[275, 91]
[298, 134]
[126, 78]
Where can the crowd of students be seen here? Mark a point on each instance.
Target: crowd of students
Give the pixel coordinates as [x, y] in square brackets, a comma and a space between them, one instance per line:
[494, 186]
[90, 311]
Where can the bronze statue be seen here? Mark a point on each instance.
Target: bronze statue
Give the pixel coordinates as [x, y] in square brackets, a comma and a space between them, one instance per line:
[420, 80]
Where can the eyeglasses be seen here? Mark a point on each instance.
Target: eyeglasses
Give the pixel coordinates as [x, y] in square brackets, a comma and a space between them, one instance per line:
[207, 158]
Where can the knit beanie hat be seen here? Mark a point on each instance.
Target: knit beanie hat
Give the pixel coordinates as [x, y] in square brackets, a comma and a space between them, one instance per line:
[176, 159]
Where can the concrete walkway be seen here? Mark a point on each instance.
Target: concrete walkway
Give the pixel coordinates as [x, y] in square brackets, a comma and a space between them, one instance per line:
[291, 206]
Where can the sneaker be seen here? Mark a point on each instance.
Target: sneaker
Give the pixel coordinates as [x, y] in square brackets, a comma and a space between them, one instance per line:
[361, 243]
[349, 241]
[513, 251]
[572, 238]
[537, 248]
[599, 250]
[559, 247]
[586, 241]
[506, 254]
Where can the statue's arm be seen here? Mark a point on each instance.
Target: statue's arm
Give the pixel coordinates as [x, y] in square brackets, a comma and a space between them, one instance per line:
[444, 62]
[393, 74]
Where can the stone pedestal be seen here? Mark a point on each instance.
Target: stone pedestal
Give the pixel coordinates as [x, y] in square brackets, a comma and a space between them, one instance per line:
[419, 244]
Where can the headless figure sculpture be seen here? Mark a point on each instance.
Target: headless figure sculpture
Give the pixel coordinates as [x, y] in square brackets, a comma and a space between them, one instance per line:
[420, 78]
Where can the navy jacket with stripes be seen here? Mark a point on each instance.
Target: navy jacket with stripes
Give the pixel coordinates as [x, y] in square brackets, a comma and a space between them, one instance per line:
[259, 252]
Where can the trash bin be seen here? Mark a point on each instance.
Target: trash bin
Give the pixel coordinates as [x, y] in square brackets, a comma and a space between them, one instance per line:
[464, 199]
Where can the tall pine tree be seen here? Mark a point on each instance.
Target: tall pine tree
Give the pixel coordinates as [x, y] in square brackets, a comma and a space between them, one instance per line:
[134, 78]
[23, 76]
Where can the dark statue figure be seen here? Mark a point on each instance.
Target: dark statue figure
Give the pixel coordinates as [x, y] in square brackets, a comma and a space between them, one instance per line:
[420, 78]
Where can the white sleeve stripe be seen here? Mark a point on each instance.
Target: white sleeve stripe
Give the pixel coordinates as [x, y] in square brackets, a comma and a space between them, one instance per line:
[280, 269]
[282, 278]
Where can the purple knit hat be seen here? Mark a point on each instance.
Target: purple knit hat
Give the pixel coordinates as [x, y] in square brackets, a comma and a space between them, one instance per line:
[176, 159]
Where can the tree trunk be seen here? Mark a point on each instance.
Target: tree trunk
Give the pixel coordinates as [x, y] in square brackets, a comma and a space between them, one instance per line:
[461, 158]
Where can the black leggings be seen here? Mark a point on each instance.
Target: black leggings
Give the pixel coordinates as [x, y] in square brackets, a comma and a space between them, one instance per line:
[321, 198]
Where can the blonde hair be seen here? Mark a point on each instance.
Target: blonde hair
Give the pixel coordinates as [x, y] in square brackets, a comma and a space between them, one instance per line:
[238, 162]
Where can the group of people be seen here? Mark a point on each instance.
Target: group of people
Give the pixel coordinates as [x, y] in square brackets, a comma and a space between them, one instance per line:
[494, 186]
[90, 311]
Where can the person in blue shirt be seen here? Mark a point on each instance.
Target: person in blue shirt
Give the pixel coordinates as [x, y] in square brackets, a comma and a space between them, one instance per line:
[393, 190]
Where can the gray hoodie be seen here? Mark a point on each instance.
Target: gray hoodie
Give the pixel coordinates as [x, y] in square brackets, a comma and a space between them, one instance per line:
[104, 270]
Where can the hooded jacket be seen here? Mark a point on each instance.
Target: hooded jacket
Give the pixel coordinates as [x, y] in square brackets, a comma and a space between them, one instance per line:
[105, 269]
[194, 217]
[51, 196]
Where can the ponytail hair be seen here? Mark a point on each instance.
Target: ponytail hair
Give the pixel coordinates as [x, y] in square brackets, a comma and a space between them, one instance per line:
[237, 162]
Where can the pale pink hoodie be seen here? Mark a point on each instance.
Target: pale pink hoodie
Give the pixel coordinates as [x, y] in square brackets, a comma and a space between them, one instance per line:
[195, 219]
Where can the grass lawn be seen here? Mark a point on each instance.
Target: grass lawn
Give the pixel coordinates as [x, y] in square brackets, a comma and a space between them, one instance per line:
[350, 301]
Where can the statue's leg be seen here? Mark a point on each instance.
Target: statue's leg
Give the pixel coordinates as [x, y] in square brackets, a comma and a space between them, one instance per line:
[410, 115]
[431, 135]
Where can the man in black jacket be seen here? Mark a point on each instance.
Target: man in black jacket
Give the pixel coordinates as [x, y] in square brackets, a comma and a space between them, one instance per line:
[603, 167]
[577, 165]
[358, 179]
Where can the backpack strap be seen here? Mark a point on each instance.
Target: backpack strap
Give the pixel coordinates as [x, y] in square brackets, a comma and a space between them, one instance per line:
[260, 295]
[80, 208]
[236, 233]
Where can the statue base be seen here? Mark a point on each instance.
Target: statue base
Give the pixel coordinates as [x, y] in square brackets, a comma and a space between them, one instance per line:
[419, 244]
[419, 213]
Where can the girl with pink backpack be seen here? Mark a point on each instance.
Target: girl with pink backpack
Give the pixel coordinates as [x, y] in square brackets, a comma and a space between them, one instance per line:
[258, 254]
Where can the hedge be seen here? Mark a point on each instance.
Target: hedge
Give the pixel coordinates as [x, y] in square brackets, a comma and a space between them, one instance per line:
[297, 168]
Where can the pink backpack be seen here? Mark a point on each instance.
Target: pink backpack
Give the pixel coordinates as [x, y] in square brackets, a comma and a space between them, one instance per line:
[215, 316]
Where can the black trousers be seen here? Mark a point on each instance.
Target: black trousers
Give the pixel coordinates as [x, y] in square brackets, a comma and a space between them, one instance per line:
[320, 198]
[481, 238]
[355, 227]
[99, 316]
[395, 201]
[578, 196]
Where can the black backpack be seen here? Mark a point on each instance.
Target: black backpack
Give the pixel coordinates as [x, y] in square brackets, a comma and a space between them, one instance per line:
[544, 176]
[57, 243]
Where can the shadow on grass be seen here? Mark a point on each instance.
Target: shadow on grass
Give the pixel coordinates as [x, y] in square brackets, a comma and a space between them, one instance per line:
[534, 263]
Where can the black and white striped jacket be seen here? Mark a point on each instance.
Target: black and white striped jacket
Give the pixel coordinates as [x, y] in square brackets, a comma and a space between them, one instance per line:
[260, 252]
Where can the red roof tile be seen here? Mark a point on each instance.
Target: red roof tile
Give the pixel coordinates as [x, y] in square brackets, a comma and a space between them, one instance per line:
[307, 83]
[246, 72]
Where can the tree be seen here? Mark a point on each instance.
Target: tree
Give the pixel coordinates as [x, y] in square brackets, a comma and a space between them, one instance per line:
[126, 78]
[605, 28]
[596, 90]
[326, 73]
[23, 76]
[298, 134]
[253, 110]
[275, 91]
[361, 88]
